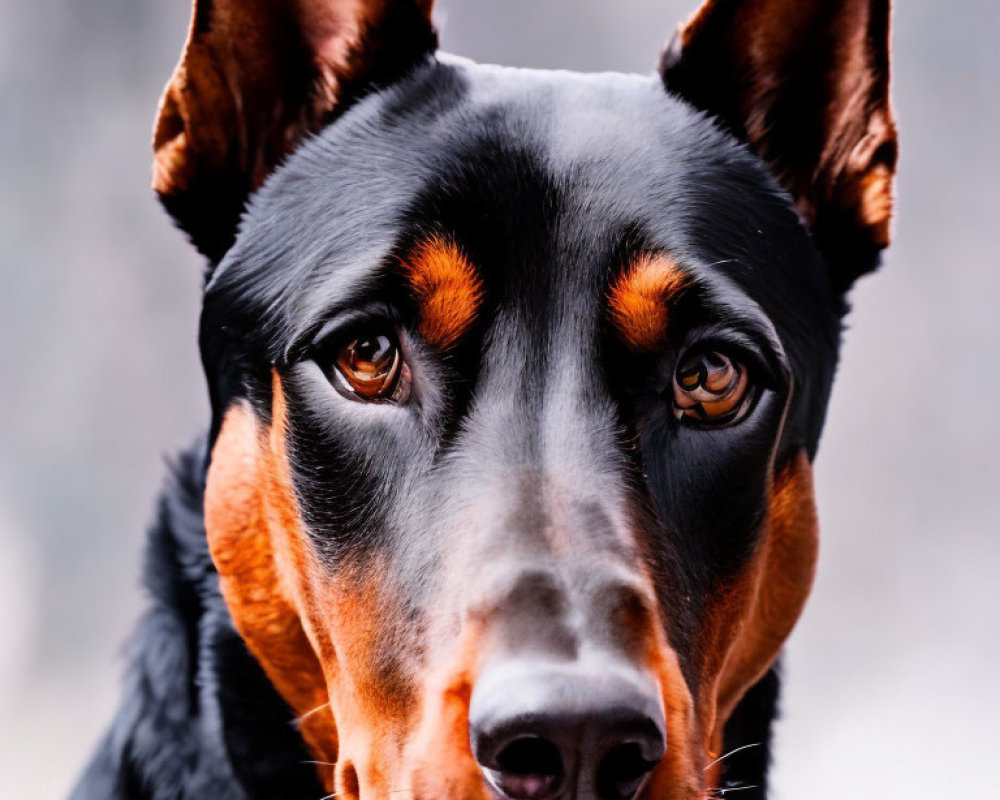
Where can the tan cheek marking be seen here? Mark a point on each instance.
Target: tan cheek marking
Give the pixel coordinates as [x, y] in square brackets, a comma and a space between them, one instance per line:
[439, 756]
[641, 297]
[679, 775]
[243, 501]
[749, 624]
[318, 638]
[447, 289]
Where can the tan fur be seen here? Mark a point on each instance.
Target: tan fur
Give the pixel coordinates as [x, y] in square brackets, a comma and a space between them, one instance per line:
[447, 287]
[748, 622]
[641, 297]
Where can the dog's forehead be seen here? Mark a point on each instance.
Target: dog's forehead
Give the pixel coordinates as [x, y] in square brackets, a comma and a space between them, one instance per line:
[550, 173]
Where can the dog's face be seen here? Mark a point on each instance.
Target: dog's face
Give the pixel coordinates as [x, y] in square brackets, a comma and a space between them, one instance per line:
[517, 380]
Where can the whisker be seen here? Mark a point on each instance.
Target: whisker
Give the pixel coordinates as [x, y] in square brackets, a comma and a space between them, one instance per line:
[308, 714]
[337, 794]
[732, 752]
[718, 791]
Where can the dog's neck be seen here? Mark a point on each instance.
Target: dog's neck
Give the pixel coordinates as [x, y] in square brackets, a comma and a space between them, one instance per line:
[199, 717]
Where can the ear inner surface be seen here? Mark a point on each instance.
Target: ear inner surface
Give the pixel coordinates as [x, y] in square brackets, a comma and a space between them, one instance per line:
[254, 78]
[806, 84]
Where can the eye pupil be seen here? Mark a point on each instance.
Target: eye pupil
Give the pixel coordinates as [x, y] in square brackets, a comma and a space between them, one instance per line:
[370, 354]
[691, 379]
[711, 388]
[369, 367]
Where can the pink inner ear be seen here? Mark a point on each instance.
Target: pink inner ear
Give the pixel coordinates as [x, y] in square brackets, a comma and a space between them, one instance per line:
[806, 84]
[330, 31]
[254, 78]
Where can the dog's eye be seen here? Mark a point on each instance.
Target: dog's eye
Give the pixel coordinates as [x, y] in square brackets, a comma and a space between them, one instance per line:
[711, 388]
[371, 367]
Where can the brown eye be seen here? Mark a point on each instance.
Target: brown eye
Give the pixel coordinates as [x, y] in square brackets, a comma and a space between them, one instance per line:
[711, 388]
[372, 368]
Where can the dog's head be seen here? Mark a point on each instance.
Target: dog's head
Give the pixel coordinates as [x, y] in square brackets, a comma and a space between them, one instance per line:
[517, 376]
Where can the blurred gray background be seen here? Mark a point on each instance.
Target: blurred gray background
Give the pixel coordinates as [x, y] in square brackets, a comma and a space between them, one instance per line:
[891, 684]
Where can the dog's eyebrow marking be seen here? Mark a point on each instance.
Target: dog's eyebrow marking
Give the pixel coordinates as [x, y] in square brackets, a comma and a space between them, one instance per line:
[447, 288]
[641, 297]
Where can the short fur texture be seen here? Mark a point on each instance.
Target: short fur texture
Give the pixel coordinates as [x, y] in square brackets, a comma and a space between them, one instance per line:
[331, 578]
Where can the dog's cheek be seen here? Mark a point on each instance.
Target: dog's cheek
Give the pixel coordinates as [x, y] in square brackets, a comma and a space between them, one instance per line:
[371, 675]
[750, 622]
[679, 775]
[248, 520]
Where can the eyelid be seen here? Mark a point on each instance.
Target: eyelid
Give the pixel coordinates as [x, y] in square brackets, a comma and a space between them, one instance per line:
[332, 330]
[767, 366]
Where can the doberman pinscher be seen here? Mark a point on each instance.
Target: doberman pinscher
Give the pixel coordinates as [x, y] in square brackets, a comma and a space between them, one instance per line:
[516, 380]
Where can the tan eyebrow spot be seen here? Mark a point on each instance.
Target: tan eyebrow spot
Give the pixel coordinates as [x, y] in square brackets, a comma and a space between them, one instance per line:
[641, 297]
[447, 289]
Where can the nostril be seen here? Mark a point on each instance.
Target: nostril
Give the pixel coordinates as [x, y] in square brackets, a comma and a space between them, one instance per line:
[529, 768]
[542, 731]
[530, 755]
[622, 771]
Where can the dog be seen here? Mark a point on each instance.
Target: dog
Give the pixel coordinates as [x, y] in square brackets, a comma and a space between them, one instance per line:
[516, 379]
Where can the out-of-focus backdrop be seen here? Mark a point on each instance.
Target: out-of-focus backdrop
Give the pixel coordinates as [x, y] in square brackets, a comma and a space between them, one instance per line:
[891, 686]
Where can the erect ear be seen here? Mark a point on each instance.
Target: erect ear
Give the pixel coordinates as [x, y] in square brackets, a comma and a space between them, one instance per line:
[255, 77]
[806, 84]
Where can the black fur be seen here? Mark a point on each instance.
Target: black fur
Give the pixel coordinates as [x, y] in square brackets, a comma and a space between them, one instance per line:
[199, 718]
[547, 181]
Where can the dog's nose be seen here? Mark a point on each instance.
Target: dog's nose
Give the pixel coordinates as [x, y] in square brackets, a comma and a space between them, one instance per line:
[590, 732]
